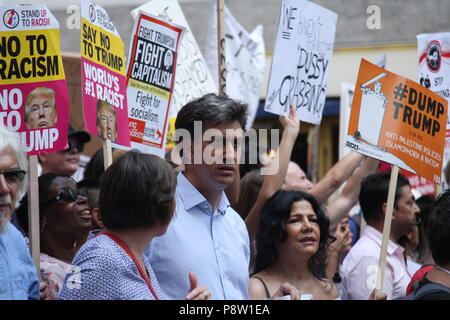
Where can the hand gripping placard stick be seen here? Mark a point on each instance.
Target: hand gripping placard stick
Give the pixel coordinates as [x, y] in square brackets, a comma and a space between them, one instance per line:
[387, 227]
[221, 68]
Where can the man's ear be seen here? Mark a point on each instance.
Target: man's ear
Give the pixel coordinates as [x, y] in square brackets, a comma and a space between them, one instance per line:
[42, 158]
[384, 208]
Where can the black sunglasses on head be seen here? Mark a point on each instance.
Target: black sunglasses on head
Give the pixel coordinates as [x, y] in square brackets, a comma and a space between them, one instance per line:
[13, 175]
[67, 195]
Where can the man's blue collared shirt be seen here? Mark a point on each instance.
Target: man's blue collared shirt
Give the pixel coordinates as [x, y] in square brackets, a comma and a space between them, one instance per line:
[214, 245]
[18, 277]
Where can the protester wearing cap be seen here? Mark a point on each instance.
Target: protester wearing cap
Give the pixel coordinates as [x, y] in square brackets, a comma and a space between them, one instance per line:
[18, 278]
[360, 267]
[67, 161]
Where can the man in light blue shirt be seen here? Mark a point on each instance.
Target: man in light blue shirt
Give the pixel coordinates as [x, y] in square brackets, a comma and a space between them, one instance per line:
[18, 277]
[206, 235]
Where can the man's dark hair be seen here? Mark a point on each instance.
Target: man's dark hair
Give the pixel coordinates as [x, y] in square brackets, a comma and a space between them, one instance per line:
[272, 231]
[374, 192]
[439, 224]
[212, 110]
[137, 190]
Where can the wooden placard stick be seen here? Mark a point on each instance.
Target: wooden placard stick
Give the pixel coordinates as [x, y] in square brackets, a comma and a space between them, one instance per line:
[438, 190]
[33, 212]
[221, 68]
[107, 153]
[387, 227]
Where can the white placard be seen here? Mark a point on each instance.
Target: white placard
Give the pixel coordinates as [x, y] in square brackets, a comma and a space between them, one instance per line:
[301, 61]
[434, 71]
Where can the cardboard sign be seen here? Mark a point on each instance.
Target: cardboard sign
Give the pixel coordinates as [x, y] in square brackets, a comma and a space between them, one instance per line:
[434, 71]
[103, 76]
[33, 93]
[301, 61]
[151, 79]
[245, 57]
[193, 78]
[398, 121]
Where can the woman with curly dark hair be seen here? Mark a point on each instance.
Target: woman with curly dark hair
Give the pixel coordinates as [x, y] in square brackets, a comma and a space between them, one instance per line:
[291, 247]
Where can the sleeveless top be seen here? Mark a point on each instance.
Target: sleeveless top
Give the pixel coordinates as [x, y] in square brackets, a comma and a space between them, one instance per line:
[266, 290]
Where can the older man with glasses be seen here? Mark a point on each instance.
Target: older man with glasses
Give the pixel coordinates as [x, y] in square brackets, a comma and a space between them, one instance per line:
[18, 277]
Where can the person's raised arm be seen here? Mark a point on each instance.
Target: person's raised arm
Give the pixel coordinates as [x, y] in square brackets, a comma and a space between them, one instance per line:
[338, 209]
[279, 164]
[336, 176]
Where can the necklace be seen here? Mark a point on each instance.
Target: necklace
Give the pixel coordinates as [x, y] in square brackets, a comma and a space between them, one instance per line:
[445, 270]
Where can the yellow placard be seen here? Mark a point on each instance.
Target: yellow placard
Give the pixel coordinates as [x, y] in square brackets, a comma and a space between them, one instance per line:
[30, 56]
[170, 141]
[102, 47]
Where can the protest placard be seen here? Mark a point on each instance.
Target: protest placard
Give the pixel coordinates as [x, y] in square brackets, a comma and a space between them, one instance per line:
[33, 92]
[103, 76]
[151, 77]
[245, 61]
[301, 61]
[398, 121]
[193, 78]
[434, 71]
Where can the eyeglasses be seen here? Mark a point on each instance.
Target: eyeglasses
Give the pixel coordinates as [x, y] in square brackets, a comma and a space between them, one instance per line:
[67, 195]
[13, 176]
[74, 145]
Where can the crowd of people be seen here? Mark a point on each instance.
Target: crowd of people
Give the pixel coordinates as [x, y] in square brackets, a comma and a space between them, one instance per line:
[148, 228]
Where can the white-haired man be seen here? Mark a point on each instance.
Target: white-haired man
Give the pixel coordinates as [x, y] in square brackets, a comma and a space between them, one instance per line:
[18, 277]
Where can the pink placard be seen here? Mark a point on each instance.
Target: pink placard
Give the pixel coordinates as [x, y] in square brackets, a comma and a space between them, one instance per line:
[104, 87]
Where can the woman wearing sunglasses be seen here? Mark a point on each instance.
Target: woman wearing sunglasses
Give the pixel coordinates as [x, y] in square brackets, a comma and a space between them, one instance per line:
[64, 217]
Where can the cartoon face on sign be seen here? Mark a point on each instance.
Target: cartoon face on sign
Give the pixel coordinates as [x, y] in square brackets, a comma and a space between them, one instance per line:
[106, 121]
[40, 109]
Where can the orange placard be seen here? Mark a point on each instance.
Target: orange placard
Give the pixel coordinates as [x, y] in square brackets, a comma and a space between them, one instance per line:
[396, 120]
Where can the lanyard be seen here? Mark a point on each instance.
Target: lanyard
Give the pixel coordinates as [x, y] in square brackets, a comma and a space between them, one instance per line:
[123, 245]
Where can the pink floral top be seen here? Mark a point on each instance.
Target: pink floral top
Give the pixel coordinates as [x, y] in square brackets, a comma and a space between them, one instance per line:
[53, 271]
